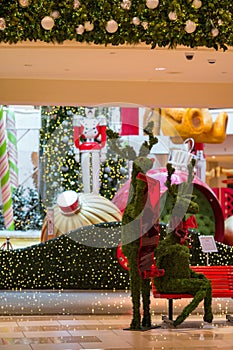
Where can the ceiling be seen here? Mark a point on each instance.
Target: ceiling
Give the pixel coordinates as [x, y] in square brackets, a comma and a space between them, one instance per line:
[81, 74]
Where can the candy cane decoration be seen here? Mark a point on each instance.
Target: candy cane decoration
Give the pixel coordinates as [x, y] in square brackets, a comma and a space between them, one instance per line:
[12, 148]
[5, 178]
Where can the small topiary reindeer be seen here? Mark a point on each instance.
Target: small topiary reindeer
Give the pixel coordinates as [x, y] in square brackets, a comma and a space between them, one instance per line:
[172, 254]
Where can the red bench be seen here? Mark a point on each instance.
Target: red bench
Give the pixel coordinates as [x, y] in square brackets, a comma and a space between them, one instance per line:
[222, 285]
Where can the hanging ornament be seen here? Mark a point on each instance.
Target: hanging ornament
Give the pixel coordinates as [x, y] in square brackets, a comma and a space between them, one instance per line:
[24, 3]
[107, 169]
[47, 23]
[123, 171]
[172, 16]
[152, 4]
[190, 26]
[88, 26]
[145, 25]
[197, 4]
[111, 26]
[65, 123]
[136, 21]
[2, 24]
[65, 139]
[55, 14]
[80, 29]
[126, 4]
[76, 4]
[215, 32]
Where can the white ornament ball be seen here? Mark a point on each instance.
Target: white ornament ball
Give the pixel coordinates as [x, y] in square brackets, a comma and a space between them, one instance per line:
[136, 21]
[76, 4]
[215, 32]
[190, 26]
[126, 4]
[111, 26]
[88, 26]
[145, 25]
[172, 16]
[55, 14]
[65, 123]
[2, 24]
[24, 3]
[65, 139]
[152, 4]
[80, 29]
[47, 23]
[197, 4]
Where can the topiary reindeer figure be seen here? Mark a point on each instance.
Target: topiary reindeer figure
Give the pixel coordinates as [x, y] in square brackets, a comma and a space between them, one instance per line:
[131, 226]
[172, 254]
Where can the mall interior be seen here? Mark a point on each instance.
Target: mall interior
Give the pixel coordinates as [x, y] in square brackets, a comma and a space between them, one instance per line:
[83, 73]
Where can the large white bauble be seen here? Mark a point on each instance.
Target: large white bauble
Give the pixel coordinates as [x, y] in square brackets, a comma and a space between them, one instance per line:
[190, 26]
[152, 4]
[111, 26]
[47, 23]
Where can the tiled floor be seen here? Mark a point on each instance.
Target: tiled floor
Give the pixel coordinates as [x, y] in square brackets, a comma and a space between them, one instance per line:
[107, 332]
[73, 320]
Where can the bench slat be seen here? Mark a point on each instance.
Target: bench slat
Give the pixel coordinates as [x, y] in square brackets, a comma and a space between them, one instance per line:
[221, 278]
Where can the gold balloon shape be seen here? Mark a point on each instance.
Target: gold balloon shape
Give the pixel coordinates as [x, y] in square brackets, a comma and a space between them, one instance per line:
[194, 122]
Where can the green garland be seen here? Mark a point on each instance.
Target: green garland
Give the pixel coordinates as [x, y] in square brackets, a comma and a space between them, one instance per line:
[165, 25]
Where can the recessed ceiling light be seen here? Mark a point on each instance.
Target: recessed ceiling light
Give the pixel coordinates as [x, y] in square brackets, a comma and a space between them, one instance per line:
[174, 72]
[213, 157]
[160, 68]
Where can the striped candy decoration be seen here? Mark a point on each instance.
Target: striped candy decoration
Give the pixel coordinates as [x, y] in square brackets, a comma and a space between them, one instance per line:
[12, 148]
[5, 178]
